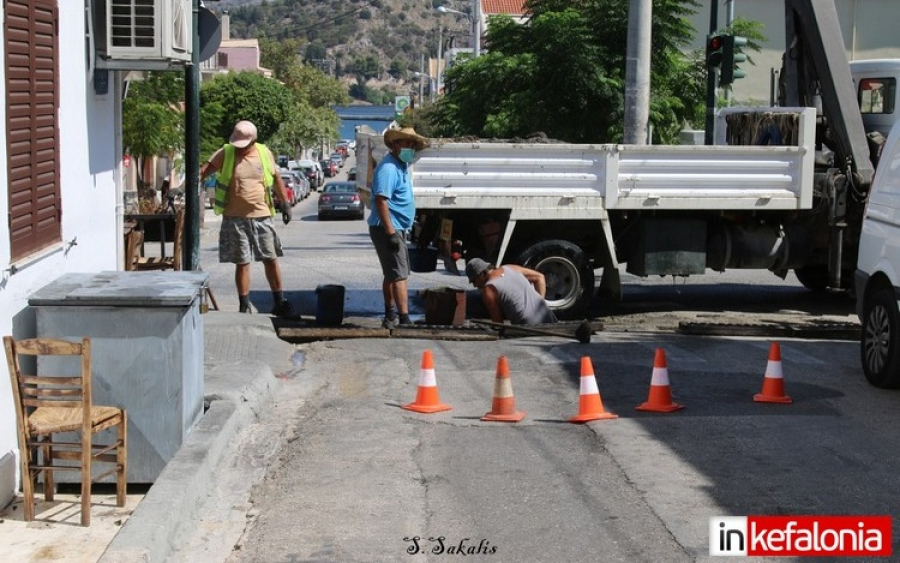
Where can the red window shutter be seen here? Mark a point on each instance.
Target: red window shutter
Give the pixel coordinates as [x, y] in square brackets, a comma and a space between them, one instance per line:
[32, 129]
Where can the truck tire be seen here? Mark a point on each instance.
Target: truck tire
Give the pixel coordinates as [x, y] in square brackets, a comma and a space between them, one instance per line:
[813, 278]
[570, 279]
[817, 278]
[879, 344]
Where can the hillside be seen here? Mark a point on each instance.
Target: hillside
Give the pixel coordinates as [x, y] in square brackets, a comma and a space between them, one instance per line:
[335, 33]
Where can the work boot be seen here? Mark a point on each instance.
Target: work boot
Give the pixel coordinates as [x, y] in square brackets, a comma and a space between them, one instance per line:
[389, 323]
[284, 309]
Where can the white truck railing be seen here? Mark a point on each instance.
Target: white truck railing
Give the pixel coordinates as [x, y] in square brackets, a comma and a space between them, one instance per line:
[570, 180]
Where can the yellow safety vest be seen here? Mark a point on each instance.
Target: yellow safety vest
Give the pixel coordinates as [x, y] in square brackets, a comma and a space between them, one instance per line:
[223, 180]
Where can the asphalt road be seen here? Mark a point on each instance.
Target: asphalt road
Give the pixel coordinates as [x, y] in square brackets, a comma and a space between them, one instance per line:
[361, 477]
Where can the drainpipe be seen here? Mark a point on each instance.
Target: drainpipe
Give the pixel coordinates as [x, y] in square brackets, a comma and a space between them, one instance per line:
[119, 179]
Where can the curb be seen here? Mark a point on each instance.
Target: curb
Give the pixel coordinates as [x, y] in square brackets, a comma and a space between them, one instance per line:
[151, 533]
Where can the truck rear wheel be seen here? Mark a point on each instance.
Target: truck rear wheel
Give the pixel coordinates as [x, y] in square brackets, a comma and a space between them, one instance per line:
[813, 278]
[879, 344]
[570, 279]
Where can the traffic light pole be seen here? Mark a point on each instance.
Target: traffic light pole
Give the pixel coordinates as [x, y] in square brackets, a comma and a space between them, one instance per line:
[711, 79]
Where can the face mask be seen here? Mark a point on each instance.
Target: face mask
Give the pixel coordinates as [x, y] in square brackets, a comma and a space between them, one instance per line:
[406, 155]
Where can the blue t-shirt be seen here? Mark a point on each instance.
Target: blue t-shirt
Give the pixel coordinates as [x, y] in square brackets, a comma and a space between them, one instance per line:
[392, 181]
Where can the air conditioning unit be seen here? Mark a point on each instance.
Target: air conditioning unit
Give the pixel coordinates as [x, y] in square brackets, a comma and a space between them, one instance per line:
[143, 30]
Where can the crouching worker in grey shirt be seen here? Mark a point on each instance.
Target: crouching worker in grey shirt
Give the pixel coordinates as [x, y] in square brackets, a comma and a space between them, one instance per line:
[511, 292]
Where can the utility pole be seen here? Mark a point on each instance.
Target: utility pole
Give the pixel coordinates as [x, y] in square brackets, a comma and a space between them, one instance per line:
[711, 79]
[440, 62]
[191, 236]
[476, 28]
[421, 75]
[637, 72]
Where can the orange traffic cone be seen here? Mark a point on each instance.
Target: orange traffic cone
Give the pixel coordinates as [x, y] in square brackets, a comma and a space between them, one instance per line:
[503, 408]
[773, 383]
[427, 400]
[590, 405]
[660, 399]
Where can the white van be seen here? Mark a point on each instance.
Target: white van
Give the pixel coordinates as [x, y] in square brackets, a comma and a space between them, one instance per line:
[878, 271]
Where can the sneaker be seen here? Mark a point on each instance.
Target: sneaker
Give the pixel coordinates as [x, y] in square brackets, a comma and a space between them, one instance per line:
[284, 310]
[389, 323]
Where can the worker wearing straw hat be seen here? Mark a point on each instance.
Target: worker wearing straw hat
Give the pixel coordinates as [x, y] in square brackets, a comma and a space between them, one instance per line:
[392, 217]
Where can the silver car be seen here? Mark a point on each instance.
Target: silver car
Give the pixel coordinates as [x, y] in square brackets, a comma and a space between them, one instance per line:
[340, 199]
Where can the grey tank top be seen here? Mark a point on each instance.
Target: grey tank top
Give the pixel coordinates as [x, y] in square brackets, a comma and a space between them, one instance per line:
[520, 302]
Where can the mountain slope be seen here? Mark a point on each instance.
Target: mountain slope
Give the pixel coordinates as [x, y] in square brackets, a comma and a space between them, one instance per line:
[397, 33]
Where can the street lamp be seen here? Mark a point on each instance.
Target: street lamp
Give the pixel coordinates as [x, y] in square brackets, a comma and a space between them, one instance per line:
[473, 17]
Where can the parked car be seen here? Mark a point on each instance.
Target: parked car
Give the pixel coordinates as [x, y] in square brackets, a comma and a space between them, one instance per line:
[312, 176]
[302, 164]
[329, 168]
[290, 185]
[305, 187]
[351, 174]
[877, 280]
[340, 199]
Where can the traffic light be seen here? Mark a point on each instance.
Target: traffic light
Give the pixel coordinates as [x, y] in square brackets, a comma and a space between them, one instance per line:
[732, 56]
[715, 44]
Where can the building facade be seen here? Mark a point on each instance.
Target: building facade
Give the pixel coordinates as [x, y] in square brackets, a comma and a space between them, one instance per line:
[61, 173]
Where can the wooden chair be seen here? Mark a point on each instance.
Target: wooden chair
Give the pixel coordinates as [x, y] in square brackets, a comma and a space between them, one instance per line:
[169, 262]
[50, 404]
[133, 242]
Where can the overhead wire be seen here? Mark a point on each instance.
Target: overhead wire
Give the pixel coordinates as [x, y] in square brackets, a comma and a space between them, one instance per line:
[294, 33]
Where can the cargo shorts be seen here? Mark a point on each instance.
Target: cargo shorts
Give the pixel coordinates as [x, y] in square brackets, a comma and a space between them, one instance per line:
[244, 239]
[394, 263]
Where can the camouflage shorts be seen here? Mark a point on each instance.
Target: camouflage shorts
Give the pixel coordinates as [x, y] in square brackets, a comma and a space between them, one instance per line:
[241, 239]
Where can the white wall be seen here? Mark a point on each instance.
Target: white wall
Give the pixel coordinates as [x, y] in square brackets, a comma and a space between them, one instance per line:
[867, 28]
[88, 167]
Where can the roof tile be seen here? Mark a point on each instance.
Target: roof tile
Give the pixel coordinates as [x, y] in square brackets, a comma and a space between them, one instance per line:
[513, 7]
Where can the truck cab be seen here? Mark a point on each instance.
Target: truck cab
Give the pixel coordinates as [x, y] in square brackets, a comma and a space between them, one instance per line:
[877, 93]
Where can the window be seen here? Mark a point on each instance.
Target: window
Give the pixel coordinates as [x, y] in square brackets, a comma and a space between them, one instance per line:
[877, 95]
[32, 126]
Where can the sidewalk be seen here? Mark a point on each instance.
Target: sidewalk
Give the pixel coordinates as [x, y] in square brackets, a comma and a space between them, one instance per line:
[243, 360]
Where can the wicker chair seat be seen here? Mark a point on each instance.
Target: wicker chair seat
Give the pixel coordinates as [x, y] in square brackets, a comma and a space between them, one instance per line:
[47, 420]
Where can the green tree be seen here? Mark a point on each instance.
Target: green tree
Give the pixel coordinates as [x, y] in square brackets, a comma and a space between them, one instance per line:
[279, 55]
[307, 127]
[152, 118]
[563, 73]
[247, 95]
[311, 85]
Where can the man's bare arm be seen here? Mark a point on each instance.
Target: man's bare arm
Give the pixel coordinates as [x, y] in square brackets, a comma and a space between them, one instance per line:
[536, 278]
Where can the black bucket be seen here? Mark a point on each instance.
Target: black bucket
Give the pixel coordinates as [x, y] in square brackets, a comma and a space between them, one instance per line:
[423, 259]
[330, 305]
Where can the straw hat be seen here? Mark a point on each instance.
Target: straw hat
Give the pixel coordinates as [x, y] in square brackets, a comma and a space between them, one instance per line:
[244, 133]
[393, 135]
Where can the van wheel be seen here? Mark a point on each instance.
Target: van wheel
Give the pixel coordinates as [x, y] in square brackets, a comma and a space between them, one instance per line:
[570, 279]
[879, 344]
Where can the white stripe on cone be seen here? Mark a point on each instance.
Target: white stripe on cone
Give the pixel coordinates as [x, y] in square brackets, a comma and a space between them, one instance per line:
[773, 370]
[427, 378]
[589, 385]
[503, 387]
[660, 377]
